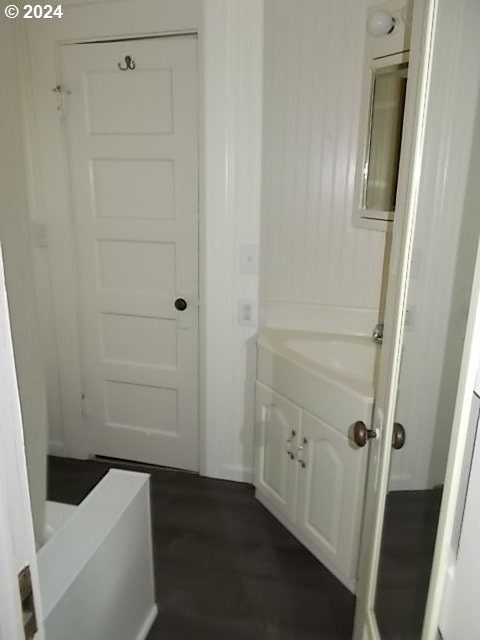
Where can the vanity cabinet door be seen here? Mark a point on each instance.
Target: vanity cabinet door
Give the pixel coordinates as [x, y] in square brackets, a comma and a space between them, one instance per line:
[276, 437]
[330, 494]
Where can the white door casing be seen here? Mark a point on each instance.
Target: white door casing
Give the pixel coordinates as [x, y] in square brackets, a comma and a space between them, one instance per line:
[17, 543]
[132, 149]
[459, 612]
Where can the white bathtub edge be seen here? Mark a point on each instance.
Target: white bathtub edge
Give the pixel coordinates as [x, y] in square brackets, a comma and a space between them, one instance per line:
[81, 561]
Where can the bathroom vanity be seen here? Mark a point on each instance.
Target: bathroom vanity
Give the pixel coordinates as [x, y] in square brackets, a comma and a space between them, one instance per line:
[311, 388]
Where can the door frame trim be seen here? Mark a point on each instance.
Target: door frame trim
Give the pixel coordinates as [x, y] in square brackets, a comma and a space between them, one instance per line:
[464, 46]
[17, 543]
[458, 446]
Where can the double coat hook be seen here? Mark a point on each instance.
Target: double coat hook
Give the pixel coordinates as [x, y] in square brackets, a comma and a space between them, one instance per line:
[129, 64]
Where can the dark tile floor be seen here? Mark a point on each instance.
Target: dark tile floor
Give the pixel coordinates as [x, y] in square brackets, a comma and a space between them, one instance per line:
[408, 543]
[224, 567]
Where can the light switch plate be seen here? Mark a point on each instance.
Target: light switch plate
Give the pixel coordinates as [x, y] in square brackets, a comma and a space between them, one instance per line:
[247, 313]
[39, 234]
[249, 258]
[410, 317]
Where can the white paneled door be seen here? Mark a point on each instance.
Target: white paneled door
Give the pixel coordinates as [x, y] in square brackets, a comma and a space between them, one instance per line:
[130, 115]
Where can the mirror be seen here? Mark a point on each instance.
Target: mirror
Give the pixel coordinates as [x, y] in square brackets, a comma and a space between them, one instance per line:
[443, 262]
[408, 543]
[385, 78]
[389, 86]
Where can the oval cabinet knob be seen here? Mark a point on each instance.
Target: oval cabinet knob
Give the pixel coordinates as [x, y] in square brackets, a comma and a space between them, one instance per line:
[398, 437]
[361, 434]
[180, 304]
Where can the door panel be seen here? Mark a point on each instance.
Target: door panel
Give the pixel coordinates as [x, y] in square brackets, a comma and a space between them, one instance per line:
[365, 626]
[132, 157]
[275, 469]
[149, 192]
[147, 110]
[330, 493]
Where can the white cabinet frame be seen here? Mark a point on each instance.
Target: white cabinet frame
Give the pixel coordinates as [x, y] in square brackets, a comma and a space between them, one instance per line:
[311, 477]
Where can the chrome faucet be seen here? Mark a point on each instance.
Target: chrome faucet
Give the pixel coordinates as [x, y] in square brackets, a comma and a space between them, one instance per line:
[377, 334]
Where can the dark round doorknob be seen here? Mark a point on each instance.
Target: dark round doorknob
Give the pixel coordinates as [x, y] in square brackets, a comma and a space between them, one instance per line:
[398, 438]
[180, 304]
[361, 434]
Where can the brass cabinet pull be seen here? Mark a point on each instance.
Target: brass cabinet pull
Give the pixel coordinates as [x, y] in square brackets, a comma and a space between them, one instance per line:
[300, 449]
[288, 443]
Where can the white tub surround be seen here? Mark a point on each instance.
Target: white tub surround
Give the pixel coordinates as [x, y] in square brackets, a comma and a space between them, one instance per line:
[56, 515]
[311, 388]
[96, 570]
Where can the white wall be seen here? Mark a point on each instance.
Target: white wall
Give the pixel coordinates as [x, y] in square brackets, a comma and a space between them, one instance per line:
[16, 243]
[230, 45]
[232, 38]
[459, 614]
[320, 272]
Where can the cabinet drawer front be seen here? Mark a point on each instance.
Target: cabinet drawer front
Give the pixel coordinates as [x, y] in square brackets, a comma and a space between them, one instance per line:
[331, 493]
[277, 424]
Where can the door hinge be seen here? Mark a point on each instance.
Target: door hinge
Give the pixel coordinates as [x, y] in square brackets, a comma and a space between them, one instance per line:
[28, 603]
[84, 405]
[61, 93]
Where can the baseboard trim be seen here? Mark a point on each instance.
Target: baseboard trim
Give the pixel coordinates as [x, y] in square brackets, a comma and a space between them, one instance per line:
[147, 625]
[56, 448]
[405, 483]
[237, 473]
[350, 583]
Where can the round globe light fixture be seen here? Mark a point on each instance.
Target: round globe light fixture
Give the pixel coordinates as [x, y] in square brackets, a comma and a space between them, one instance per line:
[380, 23]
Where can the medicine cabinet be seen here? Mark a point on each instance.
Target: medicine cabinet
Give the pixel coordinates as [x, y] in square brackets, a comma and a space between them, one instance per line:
[380, 150]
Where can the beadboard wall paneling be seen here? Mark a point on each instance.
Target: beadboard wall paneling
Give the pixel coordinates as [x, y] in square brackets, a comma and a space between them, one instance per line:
[312, 79]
